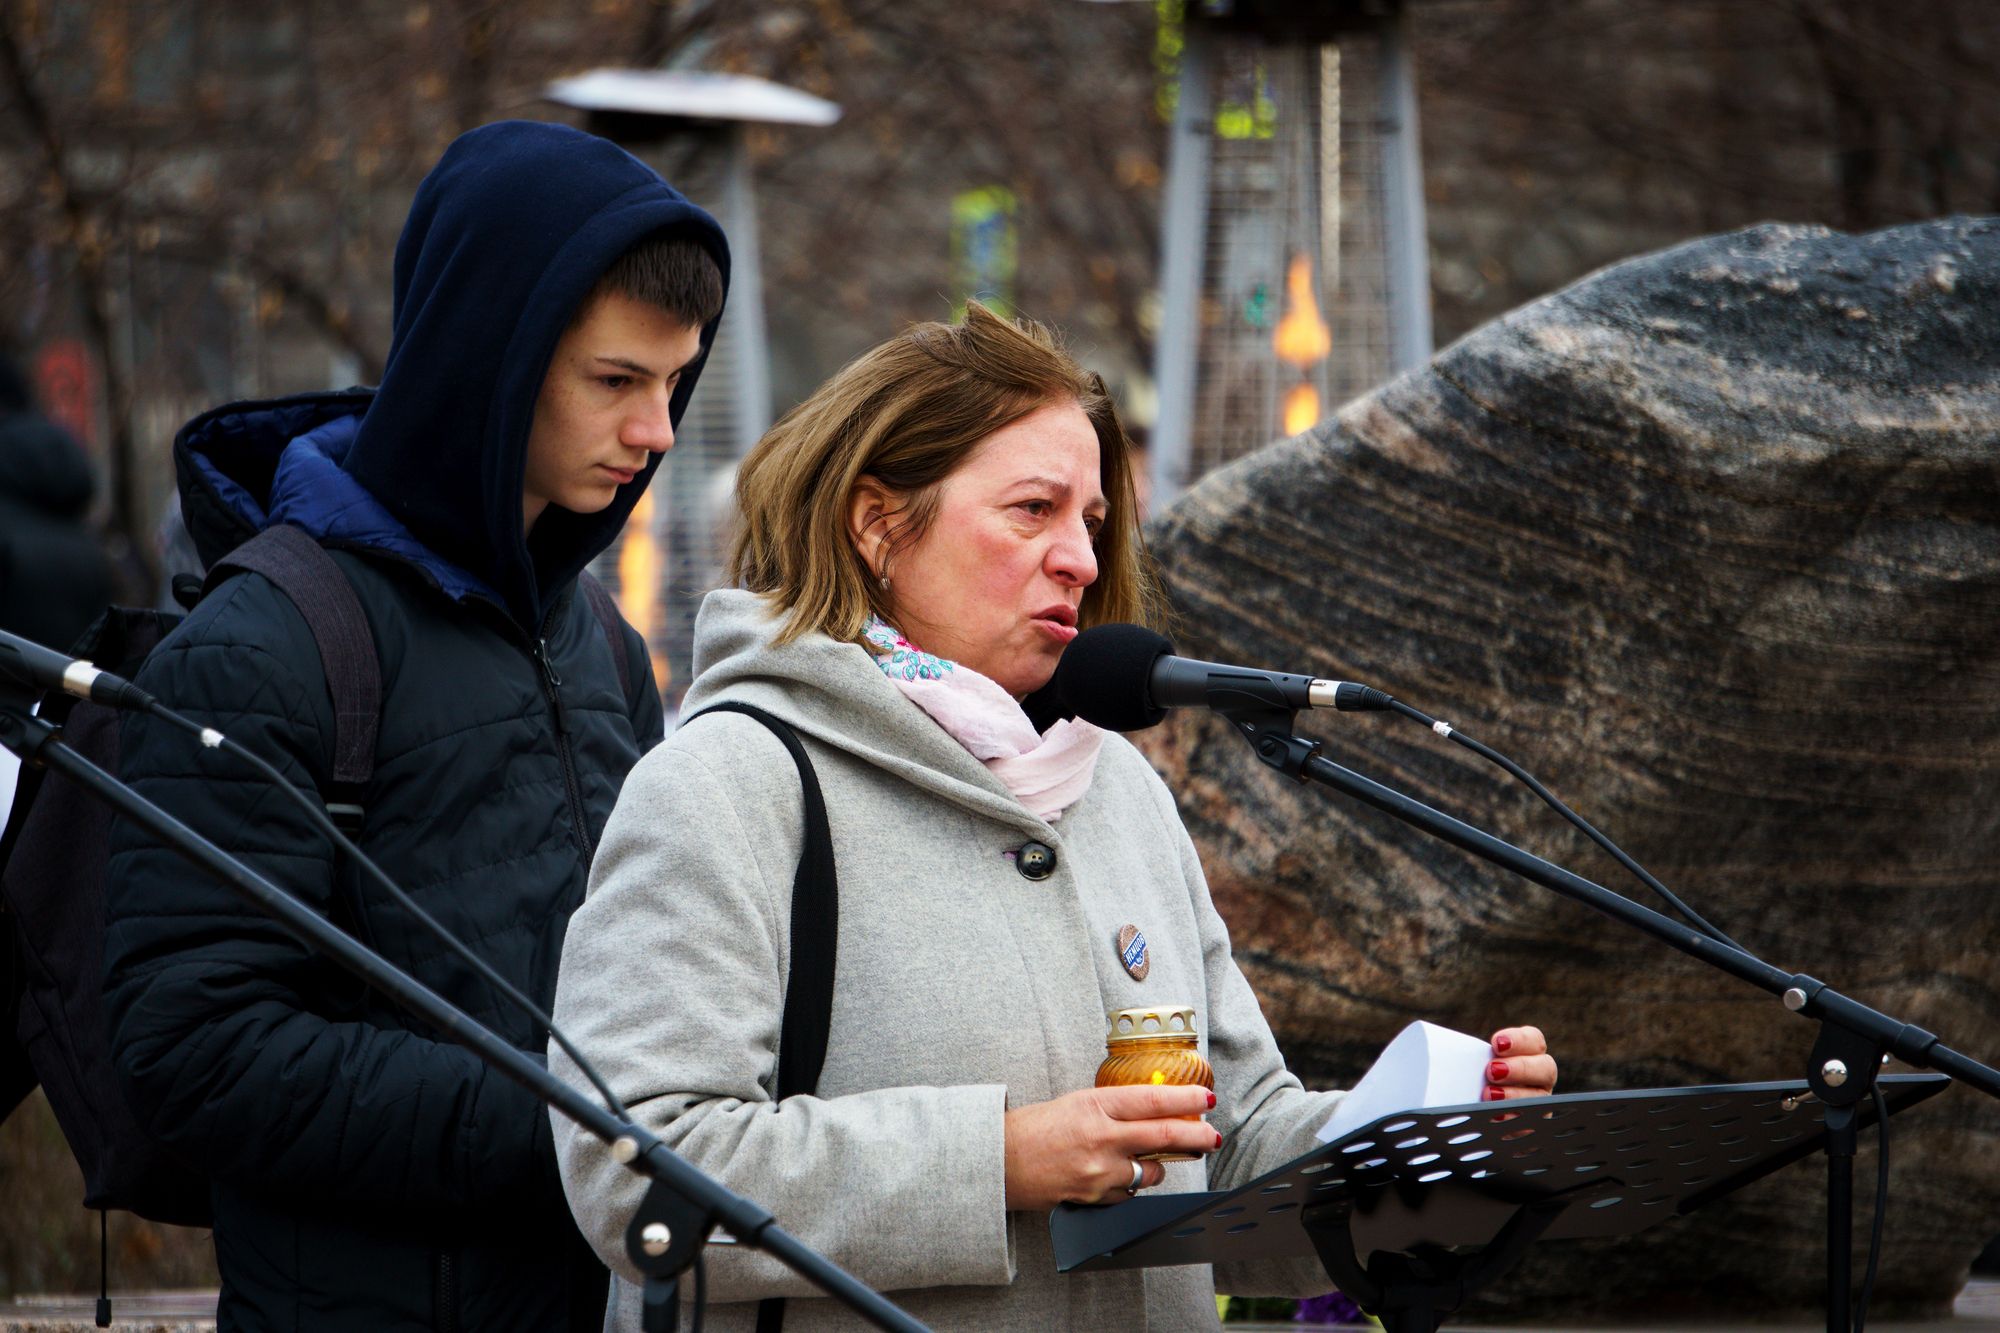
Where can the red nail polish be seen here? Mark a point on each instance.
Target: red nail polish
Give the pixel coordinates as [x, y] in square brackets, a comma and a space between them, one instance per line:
[1503, 1043]
[1218, 1138]
[1495, 1094]
[1496, 1071]
[1211, 1101]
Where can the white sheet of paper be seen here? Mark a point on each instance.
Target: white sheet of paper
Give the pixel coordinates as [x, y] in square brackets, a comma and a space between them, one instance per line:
[10, 769]
[1426, 1065]
[10, 776]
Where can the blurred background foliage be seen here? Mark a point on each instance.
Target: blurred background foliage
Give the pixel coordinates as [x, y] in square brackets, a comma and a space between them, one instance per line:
[206, 197]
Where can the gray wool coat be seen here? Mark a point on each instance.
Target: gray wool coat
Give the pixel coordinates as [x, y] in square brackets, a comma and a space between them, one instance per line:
[962, 989]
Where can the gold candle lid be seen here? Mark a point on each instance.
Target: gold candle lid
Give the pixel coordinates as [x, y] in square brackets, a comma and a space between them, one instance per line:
[1153, 1022]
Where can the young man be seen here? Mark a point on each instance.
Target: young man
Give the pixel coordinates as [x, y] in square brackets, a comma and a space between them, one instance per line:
[553, 301]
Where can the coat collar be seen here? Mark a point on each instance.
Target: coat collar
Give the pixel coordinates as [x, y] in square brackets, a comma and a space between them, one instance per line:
[835, 693]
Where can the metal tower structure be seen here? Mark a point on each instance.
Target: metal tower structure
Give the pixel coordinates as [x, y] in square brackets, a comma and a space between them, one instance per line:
[1294, 269]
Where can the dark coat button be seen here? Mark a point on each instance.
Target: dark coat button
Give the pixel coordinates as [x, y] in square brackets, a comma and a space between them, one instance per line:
[1035, 860]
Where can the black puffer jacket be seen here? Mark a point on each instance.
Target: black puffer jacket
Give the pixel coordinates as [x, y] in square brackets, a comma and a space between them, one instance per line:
[369, 1175]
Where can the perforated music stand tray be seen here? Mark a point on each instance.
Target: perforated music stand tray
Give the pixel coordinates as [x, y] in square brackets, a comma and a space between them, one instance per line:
[1412, 1213]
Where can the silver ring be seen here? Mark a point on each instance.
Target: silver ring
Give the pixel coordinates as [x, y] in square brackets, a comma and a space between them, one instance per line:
[1138, 1177]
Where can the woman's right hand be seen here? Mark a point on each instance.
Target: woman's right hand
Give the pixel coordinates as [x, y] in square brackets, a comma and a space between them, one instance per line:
[1080, 1148]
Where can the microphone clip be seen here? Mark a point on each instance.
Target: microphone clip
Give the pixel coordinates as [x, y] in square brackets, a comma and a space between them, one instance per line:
[1269, 729]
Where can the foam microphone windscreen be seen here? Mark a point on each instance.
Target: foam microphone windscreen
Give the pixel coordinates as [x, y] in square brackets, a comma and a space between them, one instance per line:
[1105, 674]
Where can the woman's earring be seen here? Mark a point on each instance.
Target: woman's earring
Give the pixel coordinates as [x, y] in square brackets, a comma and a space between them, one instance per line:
[885, 583]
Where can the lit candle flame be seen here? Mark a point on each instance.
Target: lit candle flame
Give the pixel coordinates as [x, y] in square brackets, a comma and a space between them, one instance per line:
[639, 576]
[1301, 409]
[1302, 336]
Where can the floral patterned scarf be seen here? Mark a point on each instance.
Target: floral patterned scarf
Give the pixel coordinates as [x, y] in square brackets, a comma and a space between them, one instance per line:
[1047, 773]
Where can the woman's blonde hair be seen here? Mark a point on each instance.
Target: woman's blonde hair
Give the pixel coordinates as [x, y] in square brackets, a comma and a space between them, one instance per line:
[908, 413]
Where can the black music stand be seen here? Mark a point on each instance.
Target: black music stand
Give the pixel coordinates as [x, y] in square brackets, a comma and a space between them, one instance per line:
[1414, 1212]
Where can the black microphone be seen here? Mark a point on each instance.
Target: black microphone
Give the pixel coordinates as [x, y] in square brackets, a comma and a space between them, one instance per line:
[27, 663]
[1125, 677]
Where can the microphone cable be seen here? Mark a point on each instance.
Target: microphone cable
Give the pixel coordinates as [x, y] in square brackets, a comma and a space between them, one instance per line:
[1111, 675]
[1449, 732]
[323, 823]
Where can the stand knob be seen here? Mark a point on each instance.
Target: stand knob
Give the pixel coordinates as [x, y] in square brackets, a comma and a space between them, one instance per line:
[1834, 1072]
[1795, 999]
[655, 1239]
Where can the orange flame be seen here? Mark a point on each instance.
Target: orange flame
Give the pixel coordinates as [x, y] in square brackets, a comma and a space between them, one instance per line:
[1302, 336]
[639, 576]
[1301, 409]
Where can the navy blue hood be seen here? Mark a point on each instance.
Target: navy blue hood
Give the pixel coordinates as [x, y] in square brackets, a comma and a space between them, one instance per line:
[505, 238]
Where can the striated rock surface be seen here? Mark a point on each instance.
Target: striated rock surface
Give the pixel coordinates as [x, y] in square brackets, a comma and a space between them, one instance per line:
[1709, 542]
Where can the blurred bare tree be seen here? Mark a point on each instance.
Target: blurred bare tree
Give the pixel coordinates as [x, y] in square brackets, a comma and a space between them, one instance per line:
[1053, 99]
[208, 196]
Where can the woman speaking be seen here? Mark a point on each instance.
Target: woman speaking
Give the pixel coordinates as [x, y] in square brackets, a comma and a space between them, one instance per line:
[919, 541]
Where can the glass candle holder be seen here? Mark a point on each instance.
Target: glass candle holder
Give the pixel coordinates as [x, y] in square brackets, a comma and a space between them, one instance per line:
[1157, 1045]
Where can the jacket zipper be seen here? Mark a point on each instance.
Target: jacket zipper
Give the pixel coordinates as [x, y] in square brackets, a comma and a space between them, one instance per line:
[552, 686]
[447, 1294]
[538, 649]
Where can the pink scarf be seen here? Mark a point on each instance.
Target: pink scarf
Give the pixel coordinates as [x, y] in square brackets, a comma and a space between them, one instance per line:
[1047, 773]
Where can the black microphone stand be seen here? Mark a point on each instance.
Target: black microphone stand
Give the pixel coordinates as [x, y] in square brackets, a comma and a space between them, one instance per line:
[682, 1206]
[1853, 1038]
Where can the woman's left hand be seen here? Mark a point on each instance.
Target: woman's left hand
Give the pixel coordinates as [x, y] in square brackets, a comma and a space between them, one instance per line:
[1521, 1065]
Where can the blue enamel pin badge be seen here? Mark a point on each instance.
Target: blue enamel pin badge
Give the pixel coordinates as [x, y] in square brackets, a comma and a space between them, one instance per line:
[1132, 952]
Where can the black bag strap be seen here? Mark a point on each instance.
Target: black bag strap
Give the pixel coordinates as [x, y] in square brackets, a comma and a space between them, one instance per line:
[808, 1019]
[612, 624]
[301, 569]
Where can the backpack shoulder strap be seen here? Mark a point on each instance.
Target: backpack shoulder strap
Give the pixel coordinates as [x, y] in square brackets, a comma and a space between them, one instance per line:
[808, 1016]
[611, 623]
[301, 569]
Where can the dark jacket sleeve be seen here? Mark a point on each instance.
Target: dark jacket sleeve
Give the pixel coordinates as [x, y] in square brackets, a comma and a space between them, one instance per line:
[219, 1020]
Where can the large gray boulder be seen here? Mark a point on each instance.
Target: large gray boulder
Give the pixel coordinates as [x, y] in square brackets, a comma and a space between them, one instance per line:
[1710, 542]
